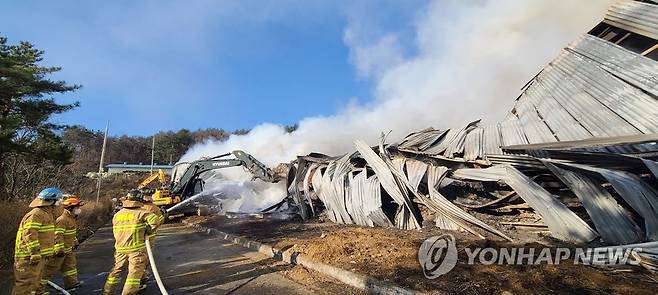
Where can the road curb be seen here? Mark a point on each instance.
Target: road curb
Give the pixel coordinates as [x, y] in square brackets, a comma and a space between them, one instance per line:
[363, 282]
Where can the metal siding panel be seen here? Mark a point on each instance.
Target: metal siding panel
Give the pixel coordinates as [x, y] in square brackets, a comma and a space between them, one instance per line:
[596, 118]
[415, 172]
[387, 180]
[372, 191]
[628, 102]
[565, 126]
[473, 145]
[634, 16]
[642, 197]
[322, 192]
[421, 140]
[358, 209]
[441, 146]
[533, 126]
[633, 68]
[609, 218]
[307, 188]
[562, 222]
[491, 140]
[457, 145]
[511, 132]
[446, 209]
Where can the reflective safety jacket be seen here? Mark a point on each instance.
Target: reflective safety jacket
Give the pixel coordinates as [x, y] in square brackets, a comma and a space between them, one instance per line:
[59, 231]
[66, 224]
[131, 226]
[152, 208]
[36, 233]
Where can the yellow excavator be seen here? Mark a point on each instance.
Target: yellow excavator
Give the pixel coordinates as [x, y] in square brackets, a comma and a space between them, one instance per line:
[161, 196]
[177, 190]
[160, 176]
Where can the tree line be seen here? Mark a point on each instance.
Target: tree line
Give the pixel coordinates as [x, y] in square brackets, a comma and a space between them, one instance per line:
[169, 146]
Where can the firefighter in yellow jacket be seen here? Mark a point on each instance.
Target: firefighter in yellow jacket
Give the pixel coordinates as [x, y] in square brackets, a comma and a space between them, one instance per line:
[131, 226]
[66, 228]
[58, 252]
[35, 241]
[152, 208]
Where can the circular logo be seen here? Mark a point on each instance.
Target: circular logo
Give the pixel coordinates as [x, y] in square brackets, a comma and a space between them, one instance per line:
[437, 255]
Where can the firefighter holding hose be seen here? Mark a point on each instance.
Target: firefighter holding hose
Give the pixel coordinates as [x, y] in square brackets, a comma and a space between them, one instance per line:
[152, 208]
[131, 226]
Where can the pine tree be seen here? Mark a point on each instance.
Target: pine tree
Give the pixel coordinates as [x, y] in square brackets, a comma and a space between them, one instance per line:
[26, 106]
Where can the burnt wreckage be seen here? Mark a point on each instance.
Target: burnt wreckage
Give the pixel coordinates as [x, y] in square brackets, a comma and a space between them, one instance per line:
[575, 158]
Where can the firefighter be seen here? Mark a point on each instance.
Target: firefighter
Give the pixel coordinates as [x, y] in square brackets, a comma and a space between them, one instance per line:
[65, 226]
[131, 226]
[152, 208]
[58, 251]
[35, 241]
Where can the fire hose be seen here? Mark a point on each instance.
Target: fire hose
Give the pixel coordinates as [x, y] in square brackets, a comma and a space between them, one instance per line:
[154, 268]
[58, 288]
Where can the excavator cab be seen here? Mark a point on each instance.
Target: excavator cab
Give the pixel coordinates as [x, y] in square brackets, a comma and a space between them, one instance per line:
[161, 195]
[163, 198]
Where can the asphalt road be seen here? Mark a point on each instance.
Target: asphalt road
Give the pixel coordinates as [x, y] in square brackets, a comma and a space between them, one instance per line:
[189, 263]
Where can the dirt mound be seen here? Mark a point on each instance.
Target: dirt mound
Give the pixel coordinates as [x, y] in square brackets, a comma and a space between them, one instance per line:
[391, 255]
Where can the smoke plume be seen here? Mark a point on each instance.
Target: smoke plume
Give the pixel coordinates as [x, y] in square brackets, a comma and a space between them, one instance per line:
[470, 58]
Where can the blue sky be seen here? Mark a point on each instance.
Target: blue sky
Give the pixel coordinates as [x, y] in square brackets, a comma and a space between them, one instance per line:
[164, 65]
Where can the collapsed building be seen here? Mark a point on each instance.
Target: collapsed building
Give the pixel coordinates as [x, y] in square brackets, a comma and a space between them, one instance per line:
[576, 155]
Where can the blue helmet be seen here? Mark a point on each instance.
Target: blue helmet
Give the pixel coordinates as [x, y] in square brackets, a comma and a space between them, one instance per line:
[50, 194]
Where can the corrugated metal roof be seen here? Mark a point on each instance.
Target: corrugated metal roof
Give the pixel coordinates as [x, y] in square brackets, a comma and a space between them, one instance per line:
[610, 219]
[561, 122]
[642, 197]
[388, 182]
[593, 89]
[587, 109]
[511, 131]
[457, 145]
[635, 107]
[473, 148]
[562, 222]
[534, 127]
[491, 140]
[634, 69]
[634, 16]
[421, 140]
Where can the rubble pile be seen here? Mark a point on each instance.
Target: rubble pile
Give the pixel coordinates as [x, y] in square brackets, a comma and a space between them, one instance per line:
[575, 157]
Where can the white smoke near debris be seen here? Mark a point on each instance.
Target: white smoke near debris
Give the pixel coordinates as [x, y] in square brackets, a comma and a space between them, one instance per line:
[470, 60]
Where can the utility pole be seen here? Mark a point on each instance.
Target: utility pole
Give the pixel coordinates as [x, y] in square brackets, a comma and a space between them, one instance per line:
[100, 165]
[152, 152]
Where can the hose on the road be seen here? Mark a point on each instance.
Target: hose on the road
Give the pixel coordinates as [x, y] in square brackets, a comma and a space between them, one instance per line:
[58, 288]
[154, 268]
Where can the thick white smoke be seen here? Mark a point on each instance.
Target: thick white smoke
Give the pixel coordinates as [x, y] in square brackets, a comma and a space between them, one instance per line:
[471, 58]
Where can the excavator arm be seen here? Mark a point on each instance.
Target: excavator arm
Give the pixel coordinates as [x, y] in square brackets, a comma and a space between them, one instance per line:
[185, 186]
[160, 176]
